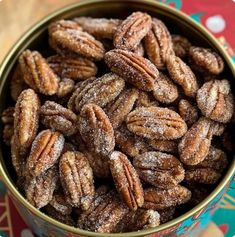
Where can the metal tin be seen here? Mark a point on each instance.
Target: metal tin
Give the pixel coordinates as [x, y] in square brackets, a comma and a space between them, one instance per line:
[36, 38]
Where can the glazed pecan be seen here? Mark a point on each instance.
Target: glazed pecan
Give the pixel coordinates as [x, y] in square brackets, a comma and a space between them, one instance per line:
[98, 91]
[45, 151]
[182, 75]
[132, 30]
[215, 100]
[159, 199]
[39, 190]
[165, 91]
[96, 129]
[188, 112]
[156, 123]
[98, 27]
[118, 109]
[76, 68]
[166, 214]
[68, 147]
[26, 119]
[77, 179]
[59, 203]
[58, 118]
[126, 180]
[8, 115]
[37, 73]
[146, 99]
[164, 145]
[129, 143]
[133, 68]
[158, 44]
[159, 169]
[7, 134]
[206, 59]
[139, 50]
[66, 87]
[181, 45]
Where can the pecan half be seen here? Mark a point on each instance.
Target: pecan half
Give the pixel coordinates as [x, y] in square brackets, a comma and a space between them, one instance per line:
[37, 73]
[135, 69]
[156, 123]
[59, 203]
[77, 179]
[126, 180]
[159, 169]
[164, 145]
[181, 45]
[132, 30]
[96, 129]
[215, 100]
[45, 151]
[118, 109]
[58, 118]
[66, 87]
[99, 27]
[39, 190]
[182, 75]
[76, 68]
[165, 91]
[158, 44]
[99, 91]
[166, 214]
[146, 99]
[159, 199]
[206, 59]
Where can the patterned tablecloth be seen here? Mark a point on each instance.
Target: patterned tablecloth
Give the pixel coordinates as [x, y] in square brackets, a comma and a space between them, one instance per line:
[218, 17]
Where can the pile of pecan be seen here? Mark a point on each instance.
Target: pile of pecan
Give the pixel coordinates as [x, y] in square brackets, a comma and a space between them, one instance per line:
[124, 123]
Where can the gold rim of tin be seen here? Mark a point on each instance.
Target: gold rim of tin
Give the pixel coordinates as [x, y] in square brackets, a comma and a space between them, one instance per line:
[74, 230]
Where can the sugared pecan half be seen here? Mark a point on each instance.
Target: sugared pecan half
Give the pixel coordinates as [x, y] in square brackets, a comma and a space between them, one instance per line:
[126, 180]
[132, 30]
[99, 91]
[159, 169]
[58, 118]
[76, 68]
[66, 87]
[159, 199]
[215, 100]
[169, 146]
[118, 109]
[59, 203]
[158, 44]
[37, 73]
[207, 59]
[156, 123]
[166, 214]
[146, 99]
[135, 69]
[98, 27]
[182, 75]
[181, 45]
[77, 179]
[45, 151]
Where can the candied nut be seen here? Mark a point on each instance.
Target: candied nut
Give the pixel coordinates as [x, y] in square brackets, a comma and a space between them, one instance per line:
[206, 59]
[202, 176]
[7, 134]
[159, 199]
[126, 180]
[118, 109]
[58, 118]
[166, 214]
[139, 50]
[99, 91]
[77, 42]
[159, 169]
[26, 119]
[182, 75]
[165, 91]
[68, 147]
[98, 27]
[181, 45]
[8, 115]
[188, 112]
[45, 151]
[59, 203]
[156, 123]
[132, 30]
[39, 190]
[164, 145]
[215, 100]
[146, 99]
[66, 87]
[37, 73]
[129, 143]
[76, 68]
[158, 44]
[96, 129]
[77, 179]
[135, 69]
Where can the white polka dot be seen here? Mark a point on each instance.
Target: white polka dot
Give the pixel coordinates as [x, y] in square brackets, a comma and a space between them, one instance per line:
[215, 23]
[26, 233]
